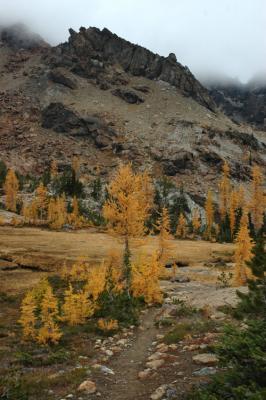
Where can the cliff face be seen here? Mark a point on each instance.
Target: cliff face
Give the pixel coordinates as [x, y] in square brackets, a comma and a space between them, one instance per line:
[92, 50]
[242, 103]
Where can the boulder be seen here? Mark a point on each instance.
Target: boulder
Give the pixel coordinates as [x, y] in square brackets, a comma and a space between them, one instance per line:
[127, 95]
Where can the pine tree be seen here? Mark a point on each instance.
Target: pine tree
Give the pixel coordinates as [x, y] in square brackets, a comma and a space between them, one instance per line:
[255, 300]
[243, 251]
[28, 317]
[257, 199]
[209, 210]
[49, 331]
[41, 200]
[224, 187]
[196, 221]
[182, 229]
[127, 209]
[11, 187]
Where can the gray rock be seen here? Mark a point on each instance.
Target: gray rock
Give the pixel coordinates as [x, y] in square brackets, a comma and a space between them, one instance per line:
[205, 371]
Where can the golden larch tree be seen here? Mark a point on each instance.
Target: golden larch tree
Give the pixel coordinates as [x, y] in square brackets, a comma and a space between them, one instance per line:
[224, 188]
[243, 252]
[49, 331]
[257, 206]
[127, 208]
[28, 318]
[42, 200]
[234, 202]
[57, 212]
[181, 229]
[96, 282]
[163, 226]
[209, 211]
[196, 221]
[54, 169]
[77, 307]
[11, 187]
[145, 279]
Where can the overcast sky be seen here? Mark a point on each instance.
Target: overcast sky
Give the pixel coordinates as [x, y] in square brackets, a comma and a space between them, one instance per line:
[209, 36]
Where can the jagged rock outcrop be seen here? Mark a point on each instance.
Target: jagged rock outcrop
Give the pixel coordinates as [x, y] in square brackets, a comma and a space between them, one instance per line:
[89, 52]
[62, 76]
[18, 36]
[58, 117]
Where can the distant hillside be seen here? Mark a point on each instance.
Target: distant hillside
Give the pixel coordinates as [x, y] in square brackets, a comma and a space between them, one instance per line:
[105, 99]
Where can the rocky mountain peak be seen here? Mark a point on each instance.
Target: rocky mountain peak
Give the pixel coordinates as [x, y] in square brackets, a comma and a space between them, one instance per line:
[94, 47]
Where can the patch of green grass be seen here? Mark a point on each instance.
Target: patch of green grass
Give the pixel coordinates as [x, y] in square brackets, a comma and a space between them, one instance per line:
[164, 322]
[183, 309]
[36, 385]
[178, 333]
[180, 330]
[27, 359]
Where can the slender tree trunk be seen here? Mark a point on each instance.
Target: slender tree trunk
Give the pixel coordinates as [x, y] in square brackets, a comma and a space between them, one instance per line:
[127, 265]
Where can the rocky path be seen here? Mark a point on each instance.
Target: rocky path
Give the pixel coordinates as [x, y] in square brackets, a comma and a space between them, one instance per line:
[124, 384]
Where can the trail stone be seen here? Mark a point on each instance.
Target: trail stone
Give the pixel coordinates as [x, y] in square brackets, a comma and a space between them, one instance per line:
[159, 392]
[155, 364]
[144, 374]
[205, 358]
[87, 386]
[205, 371]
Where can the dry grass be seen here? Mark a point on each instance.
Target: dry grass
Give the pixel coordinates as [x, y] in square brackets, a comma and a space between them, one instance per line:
[47, 250]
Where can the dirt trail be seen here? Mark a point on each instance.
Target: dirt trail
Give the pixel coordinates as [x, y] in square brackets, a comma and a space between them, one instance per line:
[125, 385]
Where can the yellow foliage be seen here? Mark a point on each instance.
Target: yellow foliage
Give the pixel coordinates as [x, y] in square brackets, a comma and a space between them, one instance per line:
[39, 290]
[257, 206]
[28, 318]
[145, 280]
[224, 187]
[181, 229]
[96, 282]
[107, 325]
[74, 218]
[41, 200]
[11, 187]
[209, 210]
[15, 221]
[79, 270]
[49, 331]
[234, 201]
[163, 226]
[57, 212]
[128, 205]
[54, 169]
[114, 273]
[77, 307]
[196, 221]
[2, 220]
[30, 212]
[76, 165]
[243, 253]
